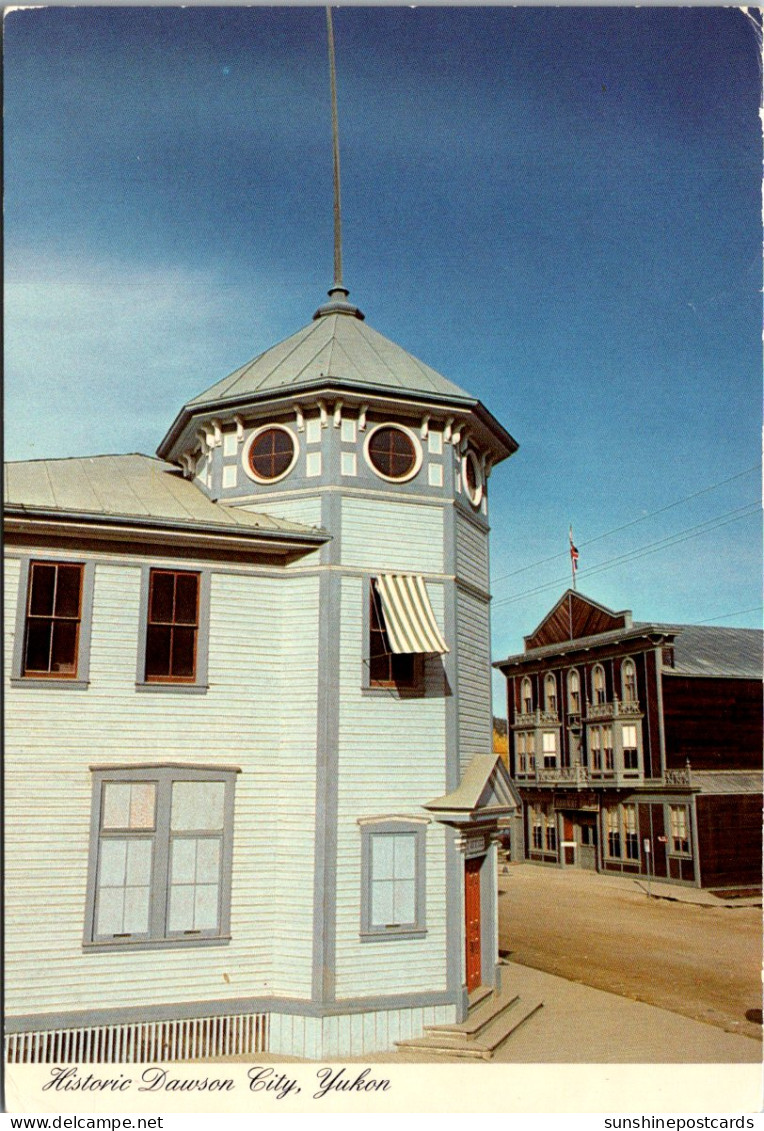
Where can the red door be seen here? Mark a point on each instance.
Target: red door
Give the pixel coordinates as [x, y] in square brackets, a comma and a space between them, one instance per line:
[472, 921]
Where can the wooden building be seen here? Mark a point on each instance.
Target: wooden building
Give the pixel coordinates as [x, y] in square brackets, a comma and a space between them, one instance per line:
[636, 747]
[251, 803]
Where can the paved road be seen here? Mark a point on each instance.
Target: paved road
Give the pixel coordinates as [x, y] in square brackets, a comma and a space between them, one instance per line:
[702, 962]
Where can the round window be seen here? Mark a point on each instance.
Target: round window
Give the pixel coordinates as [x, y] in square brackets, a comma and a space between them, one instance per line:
[272, 452]
[472, 474]
[392, 452]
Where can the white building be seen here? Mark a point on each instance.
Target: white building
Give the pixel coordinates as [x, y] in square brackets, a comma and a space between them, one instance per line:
[250, 792]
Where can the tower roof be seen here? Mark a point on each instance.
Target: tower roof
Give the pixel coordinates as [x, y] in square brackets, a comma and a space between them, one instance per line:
[337, 350]
[334, 345]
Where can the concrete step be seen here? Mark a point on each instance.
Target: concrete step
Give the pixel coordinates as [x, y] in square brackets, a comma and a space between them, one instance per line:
[448, 1040]
[478, 996]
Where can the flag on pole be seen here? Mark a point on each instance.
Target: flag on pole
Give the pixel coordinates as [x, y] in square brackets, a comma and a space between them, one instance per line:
[573, 556]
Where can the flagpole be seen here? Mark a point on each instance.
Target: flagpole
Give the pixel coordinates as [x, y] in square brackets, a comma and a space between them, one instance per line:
[573, 556]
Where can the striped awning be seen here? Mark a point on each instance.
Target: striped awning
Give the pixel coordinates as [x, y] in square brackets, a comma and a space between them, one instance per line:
[409, 619]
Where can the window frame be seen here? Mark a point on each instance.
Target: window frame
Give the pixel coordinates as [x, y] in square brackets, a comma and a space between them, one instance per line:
[551, 699]
[80, 679]
[411, 437]
[574, 693]
[599, 694]
[629, 692]
[683, 853]
[247, 446]
[158, 936]
[526, 695]
[397, 689]
[172, 685]
[616, 825]
[371, 827]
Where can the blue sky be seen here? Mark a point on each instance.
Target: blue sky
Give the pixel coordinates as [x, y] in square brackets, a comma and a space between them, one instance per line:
[559, 209]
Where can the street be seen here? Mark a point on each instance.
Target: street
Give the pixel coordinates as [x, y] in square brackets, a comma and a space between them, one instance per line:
[702, 962]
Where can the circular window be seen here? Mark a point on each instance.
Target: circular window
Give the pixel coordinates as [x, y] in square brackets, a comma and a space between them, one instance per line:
[271, 453]
[393, 452]
[472, 474]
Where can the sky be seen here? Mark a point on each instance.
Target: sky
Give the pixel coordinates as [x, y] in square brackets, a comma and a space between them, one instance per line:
[558, 209]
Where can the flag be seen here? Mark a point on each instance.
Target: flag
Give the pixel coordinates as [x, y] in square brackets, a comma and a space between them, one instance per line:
[573, 552]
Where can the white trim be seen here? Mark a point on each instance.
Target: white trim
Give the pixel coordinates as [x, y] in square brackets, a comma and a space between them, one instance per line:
[248, 445]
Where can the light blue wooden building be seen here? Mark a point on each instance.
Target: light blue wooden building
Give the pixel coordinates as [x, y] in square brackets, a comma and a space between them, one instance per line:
[251, 799]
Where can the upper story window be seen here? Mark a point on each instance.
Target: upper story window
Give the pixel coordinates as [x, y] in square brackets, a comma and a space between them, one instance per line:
[550, 694]
[393, 452]
[549, 748]
[598, 685]
[525, 758]
[526, 696]
[161, 855]
[53, 615]
[630, 747]
[629, 681]
[172, 627]
[388, 668]
[574, 692]
[270, 453]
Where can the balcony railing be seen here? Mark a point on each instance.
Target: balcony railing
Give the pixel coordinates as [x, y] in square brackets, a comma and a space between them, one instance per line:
[618, 709]
[580, 777]
[536, 718]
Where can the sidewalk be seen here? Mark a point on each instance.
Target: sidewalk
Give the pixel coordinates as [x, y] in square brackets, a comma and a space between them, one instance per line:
[658, 889]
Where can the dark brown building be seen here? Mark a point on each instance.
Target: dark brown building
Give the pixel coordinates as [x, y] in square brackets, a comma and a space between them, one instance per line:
[637, 747]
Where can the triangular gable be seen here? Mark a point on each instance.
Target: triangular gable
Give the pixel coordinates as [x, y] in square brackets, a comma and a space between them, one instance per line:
[484, 791]
[575, 616]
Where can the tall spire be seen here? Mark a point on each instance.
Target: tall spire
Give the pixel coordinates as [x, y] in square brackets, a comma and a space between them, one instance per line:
[338, 292]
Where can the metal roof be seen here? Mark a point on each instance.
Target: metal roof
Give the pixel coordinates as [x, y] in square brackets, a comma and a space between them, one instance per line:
[485, 786]
[735, 653]
[338, 346]
[728, 781]
[132, 488]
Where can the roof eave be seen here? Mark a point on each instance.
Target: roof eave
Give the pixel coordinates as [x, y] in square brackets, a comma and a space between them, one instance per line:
[23, 519]
[583, 644]
[506, 445]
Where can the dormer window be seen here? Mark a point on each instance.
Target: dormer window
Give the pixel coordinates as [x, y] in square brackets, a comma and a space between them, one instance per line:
[550, 694]
[629, 681]
[393, 452]
[270, 453]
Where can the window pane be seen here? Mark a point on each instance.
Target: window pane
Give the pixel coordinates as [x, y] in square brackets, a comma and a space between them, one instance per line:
[383, 855]
[158, 639]
[136, 914]
[43, 584]
[181, 916]
[64, 653]
[404, 907]
[197, 805]
[113, 863]
[68, 591]
[110, 911]
[549, 743]
[37, 658]
[162, 597]
[138, 871]
[183, 642]
[382, 903]
[186, 590]
[116, 806]
[405, 856]
[142, 804]
[183, 864]
[630, 736]
[206, 907]
[207, 861]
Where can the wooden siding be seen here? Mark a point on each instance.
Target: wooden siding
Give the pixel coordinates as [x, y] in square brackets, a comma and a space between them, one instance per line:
[716, 723]
[729, 832]
[379, 535]
[570, 620]
[302, 508]
[351, 1034]
[471, 553]
[392, 759]
[262, 651]
[474, 655]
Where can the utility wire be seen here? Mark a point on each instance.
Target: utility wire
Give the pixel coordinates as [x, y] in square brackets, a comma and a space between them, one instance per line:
[642, 551]
[626, 525]
[726, 616]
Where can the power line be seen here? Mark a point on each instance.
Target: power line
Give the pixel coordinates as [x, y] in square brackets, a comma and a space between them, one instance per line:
[726, 616]
[633, 522]
[642, 551]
